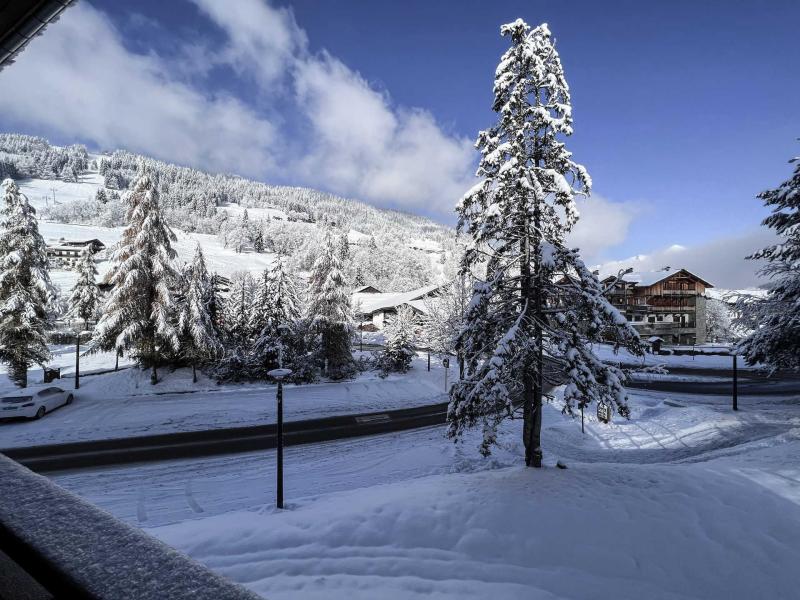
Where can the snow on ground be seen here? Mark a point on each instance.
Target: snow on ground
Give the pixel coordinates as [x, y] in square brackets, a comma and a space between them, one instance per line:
[124, 404]
[707, 361]
[255, 213]
[43, 192]
[218, 258]
[692, 502]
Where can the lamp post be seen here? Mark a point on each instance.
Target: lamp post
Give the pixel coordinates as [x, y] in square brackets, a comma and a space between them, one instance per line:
[279, 375]
[77, 360]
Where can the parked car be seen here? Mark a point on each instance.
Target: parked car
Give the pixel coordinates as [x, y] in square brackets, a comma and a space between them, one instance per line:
[34, 404]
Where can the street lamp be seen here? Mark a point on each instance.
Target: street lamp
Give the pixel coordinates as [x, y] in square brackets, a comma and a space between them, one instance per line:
[279, 375]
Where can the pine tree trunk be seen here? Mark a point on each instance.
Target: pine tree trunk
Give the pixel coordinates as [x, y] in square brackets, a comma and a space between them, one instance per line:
[154, 375]
[527, 376]
[536, 430]
[18, 373]
[194, 374]
[116, 364]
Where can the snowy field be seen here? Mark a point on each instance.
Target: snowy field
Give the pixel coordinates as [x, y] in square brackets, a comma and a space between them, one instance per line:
[125, 404]
[692, 502]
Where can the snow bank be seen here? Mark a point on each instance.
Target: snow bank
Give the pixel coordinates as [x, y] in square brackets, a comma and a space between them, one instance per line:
[597, 531]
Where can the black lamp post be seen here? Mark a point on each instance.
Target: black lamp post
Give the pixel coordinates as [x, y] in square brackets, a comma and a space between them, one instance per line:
[279, 375]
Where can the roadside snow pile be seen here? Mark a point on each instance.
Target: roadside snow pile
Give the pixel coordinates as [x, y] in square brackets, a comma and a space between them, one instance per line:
[594, 531]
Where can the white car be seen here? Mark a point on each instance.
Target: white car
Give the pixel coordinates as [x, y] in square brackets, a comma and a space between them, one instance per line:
[34, 404]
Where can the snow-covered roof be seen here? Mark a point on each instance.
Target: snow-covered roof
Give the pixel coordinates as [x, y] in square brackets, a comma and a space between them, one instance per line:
[648, 278]
[371, 303]
[366, 289]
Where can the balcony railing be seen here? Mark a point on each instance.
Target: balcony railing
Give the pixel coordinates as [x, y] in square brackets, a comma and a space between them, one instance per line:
[56, 545]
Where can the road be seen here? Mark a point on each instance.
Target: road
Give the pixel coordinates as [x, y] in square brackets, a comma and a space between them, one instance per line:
[193, 444]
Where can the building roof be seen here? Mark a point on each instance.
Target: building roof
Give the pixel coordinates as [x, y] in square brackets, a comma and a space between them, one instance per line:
[366, 289]
[372, 303]
[648, 278]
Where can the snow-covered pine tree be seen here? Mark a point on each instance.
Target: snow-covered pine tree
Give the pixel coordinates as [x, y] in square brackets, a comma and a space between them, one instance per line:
[775, 341]
[329, 310]
[344, 247]
[262, 306]
[396, 357]
[138, 314]
[198, 333]
[718, 321]
[85, 298]
[239, 236]
[238, 310]
[25, 287]
[281, 313]
[533, 296]
[258, 238]
[444, 315]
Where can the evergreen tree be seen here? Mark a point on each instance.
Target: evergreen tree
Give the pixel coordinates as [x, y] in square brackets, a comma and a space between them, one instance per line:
[775, 341]
[344, 248]
[85, 298]
[239, 236]
[258, 239]
[329, 310]
[262, 306]
[533, 297]
[238, 310]
[198, 334]
[718, 321]
[445, 315]
[137, 315]
[25, 287]
[280, 316]
[400, 337]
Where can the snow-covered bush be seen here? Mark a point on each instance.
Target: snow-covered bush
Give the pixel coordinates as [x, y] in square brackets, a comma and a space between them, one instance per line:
[399, 352]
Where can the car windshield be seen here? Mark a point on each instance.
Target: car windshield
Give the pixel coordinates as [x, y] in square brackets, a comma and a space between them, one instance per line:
[15, 399]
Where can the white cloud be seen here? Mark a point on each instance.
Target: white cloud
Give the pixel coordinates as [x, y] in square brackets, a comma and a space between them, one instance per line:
[362, 147]
[80, 81]
[356, 143]
[603, 224]
[262, 40]
[720, 261]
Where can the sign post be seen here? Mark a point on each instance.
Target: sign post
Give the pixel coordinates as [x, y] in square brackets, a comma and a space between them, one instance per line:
[446, 365]
[735, 385]
[603, 412]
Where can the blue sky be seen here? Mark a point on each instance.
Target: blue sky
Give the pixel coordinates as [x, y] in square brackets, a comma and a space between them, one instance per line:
[683, 110]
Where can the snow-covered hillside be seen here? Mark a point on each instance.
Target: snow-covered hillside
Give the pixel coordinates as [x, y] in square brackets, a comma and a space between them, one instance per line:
[389, 249]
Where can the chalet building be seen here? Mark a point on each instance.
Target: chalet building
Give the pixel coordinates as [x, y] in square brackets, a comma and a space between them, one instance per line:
[370, 304]
[667, 304]
[65, 254]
